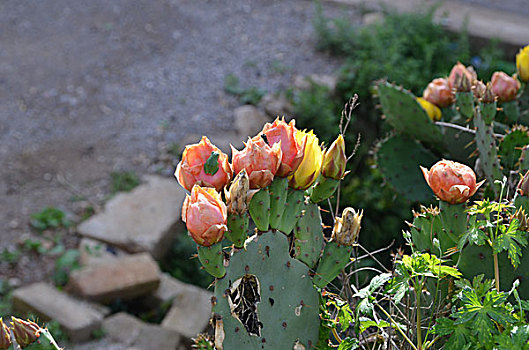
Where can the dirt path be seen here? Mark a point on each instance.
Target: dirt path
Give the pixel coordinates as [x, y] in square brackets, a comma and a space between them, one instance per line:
[91, 87]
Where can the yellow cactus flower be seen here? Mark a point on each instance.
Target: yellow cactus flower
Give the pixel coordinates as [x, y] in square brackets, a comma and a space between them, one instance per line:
[310, 166]
[335, 160]
[522, 64]
[432, 110]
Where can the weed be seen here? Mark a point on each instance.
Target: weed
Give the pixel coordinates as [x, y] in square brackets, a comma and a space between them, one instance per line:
[66, 263]
[48, 218]
[123, 181]
[250, 95]
[10, 256]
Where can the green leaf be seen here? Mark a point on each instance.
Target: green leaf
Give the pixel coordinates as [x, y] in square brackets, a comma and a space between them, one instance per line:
[518, 338]
[460, 335]
[510, 240]
[211, 166]
[345, 317]
[348, 344]
[474, 234]
[365, 323]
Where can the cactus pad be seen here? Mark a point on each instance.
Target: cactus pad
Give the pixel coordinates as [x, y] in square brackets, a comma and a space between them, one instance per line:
[398, 159]
[510, 147]
[262, 310]
[309, 235]
[405, 114]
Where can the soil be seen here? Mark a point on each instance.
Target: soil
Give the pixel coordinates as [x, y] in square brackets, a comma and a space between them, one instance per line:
[88, 88]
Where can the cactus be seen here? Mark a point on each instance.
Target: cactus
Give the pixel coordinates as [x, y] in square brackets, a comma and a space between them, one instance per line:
[278, 198]
[292, 213]
[510, 146]
[309, 235]
[401, 172]
[260, 209]
[266, 300]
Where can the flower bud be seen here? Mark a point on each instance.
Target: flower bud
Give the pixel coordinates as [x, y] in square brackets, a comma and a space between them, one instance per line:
[522, 64]
[291, 149]
[452, 182]
[347, 228]
[260, 160]
[439, 93]
[309, 169]
[462, 83]
[205, 215]
[5, 338]
[237, 196]
[434, 113]
[523, 185]
[335, 160]
[504, 86]
[456, 76]
[25, 332]
[203, 164]
[523, 220]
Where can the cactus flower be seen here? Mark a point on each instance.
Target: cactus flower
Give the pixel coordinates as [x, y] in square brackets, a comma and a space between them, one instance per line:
[25, 332]
[452, 182]
[309, 169]
[347, 228]
[237, 196]
[335, 160]
[260, 160]
[457, 73]
[439, 93]
[292, 149]
[434, 112]
[205, 215]
[522, 64]
[505, 86]
[5, 338]
[203, 164]
[523, 185]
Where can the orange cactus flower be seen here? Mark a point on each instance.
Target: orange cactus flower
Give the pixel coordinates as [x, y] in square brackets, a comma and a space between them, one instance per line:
[205, 215]
[505, 86]
[203, 164]
[292, 150]
[260, 160]
[439, 93]
[452, 182]
[458, 71]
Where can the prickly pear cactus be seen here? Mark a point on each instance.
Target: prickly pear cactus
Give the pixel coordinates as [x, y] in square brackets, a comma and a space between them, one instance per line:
[266, 300]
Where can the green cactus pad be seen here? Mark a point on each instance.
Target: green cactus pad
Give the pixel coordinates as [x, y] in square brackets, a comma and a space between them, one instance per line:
[323, 189]
[510, 147]
[280, 289]
[278, 197]
[511, 110]
[488, 111]
[237, 229]
[458, 143]
[398, 159]
[212, 259]
[406, 115]
[292, 213]
[309, 235]
[425, 227]
[523, 161]
[465, 104]
[260, 209]
[488, 156]
[334, 259]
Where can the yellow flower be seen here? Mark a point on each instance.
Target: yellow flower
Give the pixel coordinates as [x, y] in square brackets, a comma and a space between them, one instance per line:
[309, 169]
[432, 110]
[522, 63]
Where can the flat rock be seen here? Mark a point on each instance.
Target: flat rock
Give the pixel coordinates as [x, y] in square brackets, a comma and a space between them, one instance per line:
[276, 105]
[92, 251]
[137, 334]
[305, 82]
[79, 319]
[191, 309]
[123, 277]
[249, 121]
[145, 219]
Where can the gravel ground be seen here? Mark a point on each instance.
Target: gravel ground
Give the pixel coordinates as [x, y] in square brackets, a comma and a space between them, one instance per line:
[92, 87]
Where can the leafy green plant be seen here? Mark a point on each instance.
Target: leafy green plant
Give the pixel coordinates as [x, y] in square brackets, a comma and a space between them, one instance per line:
[251, 95]
[64, 264]
[48, 218]
[123, 181]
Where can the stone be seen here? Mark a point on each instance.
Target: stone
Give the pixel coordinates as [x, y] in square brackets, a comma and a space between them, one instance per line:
[191, 308]
[249, 121]
[276, 105]
[125, 277]
[137, 334]
[373, 17]
[92, 251]
[305, 82]
[78, 318]
[145, 219]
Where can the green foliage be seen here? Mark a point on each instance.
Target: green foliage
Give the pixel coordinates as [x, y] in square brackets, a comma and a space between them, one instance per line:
[65, 264]
[49, 218]
[123, 181]
[251, 95]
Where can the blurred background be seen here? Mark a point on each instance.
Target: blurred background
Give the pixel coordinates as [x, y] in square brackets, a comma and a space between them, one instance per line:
[96, 95]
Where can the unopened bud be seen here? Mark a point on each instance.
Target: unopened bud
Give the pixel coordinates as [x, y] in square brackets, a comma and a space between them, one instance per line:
[347, 228]
[488, 95]
[25, 332]
[237, 196]
[462, 83]
[5, 338]
[335, 160]
[523, 185]
[522, 219]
